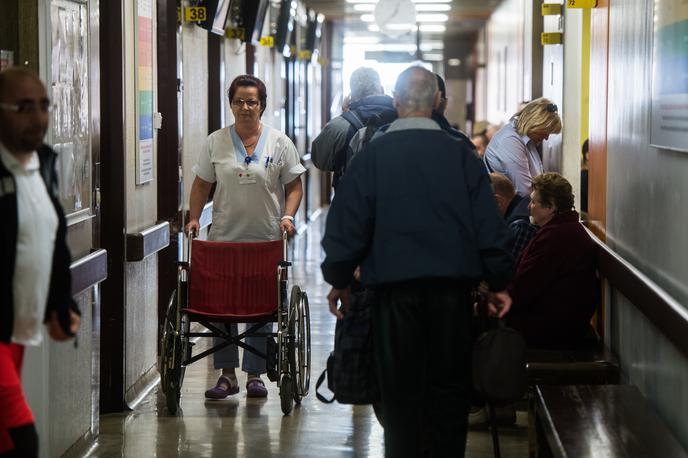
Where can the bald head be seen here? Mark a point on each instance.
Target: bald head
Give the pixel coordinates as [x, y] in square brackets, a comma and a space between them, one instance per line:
[13, 76]
[415, 93]
[24, 111]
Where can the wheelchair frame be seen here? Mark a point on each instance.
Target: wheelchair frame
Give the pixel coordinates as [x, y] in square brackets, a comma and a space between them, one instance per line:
[288, 360]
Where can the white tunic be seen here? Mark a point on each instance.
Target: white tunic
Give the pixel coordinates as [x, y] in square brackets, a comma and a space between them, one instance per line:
[36, 228]
[249, 197]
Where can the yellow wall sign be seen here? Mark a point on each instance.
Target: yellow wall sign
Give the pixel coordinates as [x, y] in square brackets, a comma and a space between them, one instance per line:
[305, 54]
[551, 38]
[581, 3]
[195, 14]
[551, 9]
[268, 41]
[235, 32]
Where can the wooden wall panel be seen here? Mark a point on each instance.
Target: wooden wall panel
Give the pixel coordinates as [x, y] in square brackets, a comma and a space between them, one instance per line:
[599, 58]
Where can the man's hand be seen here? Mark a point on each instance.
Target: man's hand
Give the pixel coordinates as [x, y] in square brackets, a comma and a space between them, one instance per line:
[56, 331]
[499, 303]
[335, 296]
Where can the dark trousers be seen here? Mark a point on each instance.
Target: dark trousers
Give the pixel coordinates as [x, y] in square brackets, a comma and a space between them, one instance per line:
[422, 348]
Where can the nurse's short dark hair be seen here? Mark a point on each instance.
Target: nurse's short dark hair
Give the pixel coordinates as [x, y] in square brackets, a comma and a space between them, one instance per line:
[249, 81]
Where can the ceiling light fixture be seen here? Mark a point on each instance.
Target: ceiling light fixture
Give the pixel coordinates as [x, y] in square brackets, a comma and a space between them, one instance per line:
[432, 7]
[367, 7]
[431, 28]
[432, 17]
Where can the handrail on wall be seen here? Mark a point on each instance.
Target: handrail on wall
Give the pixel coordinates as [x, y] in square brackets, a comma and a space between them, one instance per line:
[151, 240]
[89, 271]
[665, 312]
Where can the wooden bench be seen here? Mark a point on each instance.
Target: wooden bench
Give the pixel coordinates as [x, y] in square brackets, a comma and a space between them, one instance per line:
[600, 420]
[591, 365]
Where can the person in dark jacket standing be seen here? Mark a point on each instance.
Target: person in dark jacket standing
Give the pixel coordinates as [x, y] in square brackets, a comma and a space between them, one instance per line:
[34, 258]
[515, 209]
[555, 289]
[368, 106]
[415, 211]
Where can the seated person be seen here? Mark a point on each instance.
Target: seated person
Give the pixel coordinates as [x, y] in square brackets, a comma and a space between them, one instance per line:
[516, 211]
[555, 290]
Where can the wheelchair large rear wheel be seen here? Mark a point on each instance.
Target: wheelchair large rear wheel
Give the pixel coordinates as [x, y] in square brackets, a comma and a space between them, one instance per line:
[299, 343]
[174, 350]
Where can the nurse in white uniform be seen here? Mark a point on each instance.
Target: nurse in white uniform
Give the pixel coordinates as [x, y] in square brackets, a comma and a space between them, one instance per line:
[258, 175]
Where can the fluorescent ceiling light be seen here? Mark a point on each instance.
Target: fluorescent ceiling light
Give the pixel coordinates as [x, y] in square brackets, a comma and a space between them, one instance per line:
[454, 62]
[367, 18]
[439, 28]
[433, 56]
[373, 28]
[362, 1]
[432, 17]
[428, 47]
[364, 7]
[429, 1]
[431, 7]
[360, 39]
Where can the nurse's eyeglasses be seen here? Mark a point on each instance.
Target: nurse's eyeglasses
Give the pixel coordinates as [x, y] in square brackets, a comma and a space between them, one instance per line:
[251, 104]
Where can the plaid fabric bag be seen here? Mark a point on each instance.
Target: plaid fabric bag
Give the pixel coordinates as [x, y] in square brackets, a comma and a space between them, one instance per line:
[350, 368]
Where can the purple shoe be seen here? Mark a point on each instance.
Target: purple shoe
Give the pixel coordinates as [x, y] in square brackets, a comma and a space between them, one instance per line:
[255, 388]
[222, 389]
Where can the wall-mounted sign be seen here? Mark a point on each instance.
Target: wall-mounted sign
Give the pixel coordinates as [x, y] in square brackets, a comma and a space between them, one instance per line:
[235, 32]
[551, 38]
[669, 129]
[268, 41]
[551, 9]
[195, 14]
[144, 93]
[305, 54]
[581, 3]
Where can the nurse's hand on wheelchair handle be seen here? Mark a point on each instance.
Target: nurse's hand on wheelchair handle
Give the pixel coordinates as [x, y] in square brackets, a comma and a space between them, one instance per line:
[288, 227]
[193, 227]
[498, 303]
[334, 297]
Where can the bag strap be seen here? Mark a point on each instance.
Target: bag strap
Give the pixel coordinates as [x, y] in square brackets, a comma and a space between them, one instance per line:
[320, 381]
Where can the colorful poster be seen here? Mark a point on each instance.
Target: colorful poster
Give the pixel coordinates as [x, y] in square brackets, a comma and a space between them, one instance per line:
[144, 91]
[670, 76]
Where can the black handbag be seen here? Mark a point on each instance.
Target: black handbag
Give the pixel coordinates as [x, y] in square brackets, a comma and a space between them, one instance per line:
[499, 365]
[350, 368]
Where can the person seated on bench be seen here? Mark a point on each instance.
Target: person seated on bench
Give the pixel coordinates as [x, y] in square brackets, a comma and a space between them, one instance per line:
[555, 289]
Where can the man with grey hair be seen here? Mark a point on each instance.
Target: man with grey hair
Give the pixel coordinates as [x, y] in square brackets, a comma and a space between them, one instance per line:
[369, 106]
[416, 212]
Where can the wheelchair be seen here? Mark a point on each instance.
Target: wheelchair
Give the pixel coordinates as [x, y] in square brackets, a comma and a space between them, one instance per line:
[237, 283]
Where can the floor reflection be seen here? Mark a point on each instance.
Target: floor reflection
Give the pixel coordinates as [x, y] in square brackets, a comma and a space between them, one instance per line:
[242, 427]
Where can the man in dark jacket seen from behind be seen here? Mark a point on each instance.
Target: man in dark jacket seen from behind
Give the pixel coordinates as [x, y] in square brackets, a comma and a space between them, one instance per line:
[368, 104]
[415, 210]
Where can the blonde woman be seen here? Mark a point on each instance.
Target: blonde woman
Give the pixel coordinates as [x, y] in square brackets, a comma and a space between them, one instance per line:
[513, 149]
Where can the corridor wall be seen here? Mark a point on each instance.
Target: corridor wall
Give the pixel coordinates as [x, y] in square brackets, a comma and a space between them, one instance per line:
[646, 214]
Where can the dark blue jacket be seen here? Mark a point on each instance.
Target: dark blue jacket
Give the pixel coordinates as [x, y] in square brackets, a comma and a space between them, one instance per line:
[416, 204]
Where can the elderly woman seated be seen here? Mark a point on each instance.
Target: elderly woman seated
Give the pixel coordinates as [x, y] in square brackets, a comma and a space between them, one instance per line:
[555, 290]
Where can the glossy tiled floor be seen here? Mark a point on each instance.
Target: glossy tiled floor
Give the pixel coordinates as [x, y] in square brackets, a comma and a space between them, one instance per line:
[241, 427]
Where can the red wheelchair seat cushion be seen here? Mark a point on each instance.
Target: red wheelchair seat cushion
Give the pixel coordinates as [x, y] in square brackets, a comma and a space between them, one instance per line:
[234, 281]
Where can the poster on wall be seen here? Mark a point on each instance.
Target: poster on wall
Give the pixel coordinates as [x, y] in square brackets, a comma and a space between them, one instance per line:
[144, 91]
[670, 76]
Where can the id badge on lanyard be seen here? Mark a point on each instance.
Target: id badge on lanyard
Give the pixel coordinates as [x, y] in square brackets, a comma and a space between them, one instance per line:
[246, 176]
